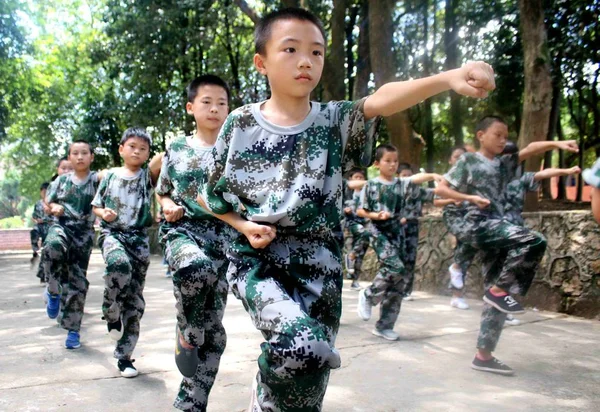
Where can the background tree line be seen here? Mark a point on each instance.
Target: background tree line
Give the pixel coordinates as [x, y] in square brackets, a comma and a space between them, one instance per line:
[89, 69]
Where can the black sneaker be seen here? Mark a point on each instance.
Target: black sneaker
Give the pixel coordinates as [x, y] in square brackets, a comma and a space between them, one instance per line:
[115, 329]
[506, 303]
[186, 359]
[127, 369]
[492, 365]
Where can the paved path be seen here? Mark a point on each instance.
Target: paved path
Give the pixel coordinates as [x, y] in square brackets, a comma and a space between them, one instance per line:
[557, 358]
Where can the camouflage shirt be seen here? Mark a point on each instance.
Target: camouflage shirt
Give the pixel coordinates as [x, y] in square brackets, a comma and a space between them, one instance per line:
[74, 195]
[129, 196]
[474, 174]
[379, 195]
[289, 176]
[352, 200]
[183, 173]
[38, 213]
[592, 175]
[515, 196]
[414, 197]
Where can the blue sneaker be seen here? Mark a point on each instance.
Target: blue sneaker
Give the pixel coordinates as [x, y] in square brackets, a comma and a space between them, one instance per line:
[72, 341]
[52, 305]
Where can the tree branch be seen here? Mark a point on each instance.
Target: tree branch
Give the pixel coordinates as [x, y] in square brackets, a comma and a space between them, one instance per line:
[247, 10]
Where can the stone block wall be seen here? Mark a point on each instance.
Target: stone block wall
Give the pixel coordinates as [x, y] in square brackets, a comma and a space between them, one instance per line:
[568, 279]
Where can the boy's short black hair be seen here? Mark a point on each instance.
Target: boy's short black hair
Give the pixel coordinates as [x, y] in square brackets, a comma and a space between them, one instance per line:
[205, 79]
[383, 149]
[80, 141]
[138, 132]
[510, 148]
[44, 186]
[404, 166]
[62, 159]
[262, 32]
[485, 122]
[355, 170]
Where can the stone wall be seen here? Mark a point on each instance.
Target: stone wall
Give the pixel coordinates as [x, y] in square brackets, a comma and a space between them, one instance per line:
[15, 239]
[568, 279]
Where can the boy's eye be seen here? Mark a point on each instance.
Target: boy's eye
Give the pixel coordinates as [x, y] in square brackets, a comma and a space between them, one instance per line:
[290, 50]
[317, 53]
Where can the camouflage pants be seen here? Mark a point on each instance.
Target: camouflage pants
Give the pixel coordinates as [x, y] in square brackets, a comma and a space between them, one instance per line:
[127, 256]
[492, 320]
[357, 243]
[66, 257]
[392, 279]
[292, 291]
[411, 245]
[196, 252]
[37, 234]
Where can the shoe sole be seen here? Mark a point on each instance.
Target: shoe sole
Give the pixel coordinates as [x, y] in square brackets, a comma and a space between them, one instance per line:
[115, 335]
[381, 335]
[490, 370]
[363, 316]
[508, 312]
[129, 374]
[461, 308]
[73, 347]
[182, 361]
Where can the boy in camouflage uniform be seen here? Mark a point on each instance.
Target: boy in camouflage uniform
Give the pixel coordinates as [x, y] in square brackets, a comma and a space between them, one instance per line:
[123, 203]
[40, 228]
[277, 179]
[70, 239]
[356, 240]
[195, 243]
[383, 202]
[483, 177]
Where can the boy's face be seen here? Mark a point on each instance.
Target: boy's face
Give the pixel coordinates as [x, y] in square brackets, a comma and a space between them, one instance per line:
[210, 107]
[494, 138]
[135, 151]
[80, 157]
[294, 58]
[43, 194]
[456, 154]
[357, 176]
[406, 173]
[388, 164]
[64, 166]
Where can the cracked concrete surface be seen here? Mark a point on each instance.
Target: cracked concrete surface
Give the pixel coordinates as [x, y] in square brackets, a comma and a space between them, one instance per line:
[556, 357]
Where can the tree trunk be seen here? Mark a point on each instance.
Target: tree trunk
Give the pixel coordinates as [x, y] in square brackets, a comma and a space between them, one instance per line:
[350, 61]
[452, 62]
[562, 190]
[381, 42]
[427, 69]
[334, 71]
[363, 61]
[554, 118]
[537, 98]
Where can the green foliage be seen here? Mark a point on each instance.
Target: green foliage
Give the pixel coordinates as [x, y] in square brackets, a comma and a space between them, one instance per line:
[14, 222]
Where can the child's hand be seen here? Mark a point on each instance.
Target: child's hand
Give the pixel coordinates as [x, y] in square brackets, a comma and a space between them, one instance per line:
[480, 202]
[47, 209]
[383, 215]
[573, 171]
[173, 212]
[474, 79]
[568, 145]
[109, 215]
[458, 202]
[57, 210]
[259, 236]
[347, 210]
[403, 221]
[437, 177]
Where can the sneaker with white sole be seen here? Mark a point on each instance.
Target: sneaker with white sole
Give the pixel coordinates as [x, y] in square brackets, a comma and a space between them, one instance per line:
[512, 321]
[492, 365]
[127, 369]
[408, 298]
[504, 303]
[364, 307]
[349, 263]
[459, 303]
[355, 285]
[72, 341]
[388, 334]
[52, 305]
[115, 329]
[456, 277]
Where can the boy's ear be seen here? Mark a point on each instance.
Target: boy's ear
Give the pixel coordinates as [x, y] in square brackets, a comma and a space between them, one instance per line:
[479, 134]
[259, 63]
[188, 108]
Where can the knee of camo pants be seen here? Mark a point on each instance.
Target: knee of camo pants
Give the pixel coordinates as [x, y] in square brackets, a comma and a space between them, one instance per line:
[54, 257]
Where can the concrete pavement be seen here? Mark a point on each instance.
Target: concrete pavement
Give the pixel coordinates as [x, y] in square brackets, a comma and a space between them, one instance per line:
[556, 357]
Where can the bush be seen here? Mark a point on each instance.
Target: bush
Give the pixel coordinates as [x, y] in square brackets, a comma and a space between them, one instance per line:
[15, 222]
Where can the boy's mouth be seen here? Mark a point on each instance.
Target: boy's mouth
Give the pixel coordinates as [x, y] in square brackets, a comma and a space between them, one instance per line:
[303, 76]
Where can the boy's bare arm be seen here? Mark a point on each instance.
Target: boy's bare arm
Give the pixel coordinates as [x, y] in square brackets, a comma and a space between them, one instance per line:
[154, 166]
[595, 193]
[259, 235]
[537, 148]
[553, 172]
[444, 190]
[172, 211]
[56, 209]
[106, 214]
[444, 202]
[475, 79]
[373, 215]
[425, 177]
[356, 184]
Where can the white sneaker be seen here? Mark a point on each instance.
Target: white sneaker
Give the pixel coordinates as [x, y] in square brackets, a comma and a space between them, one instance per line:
[408, 298]
[459, 303]
[511, 320]
[254, 406]
[364, 307]
[388, 334]
[456, 278]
